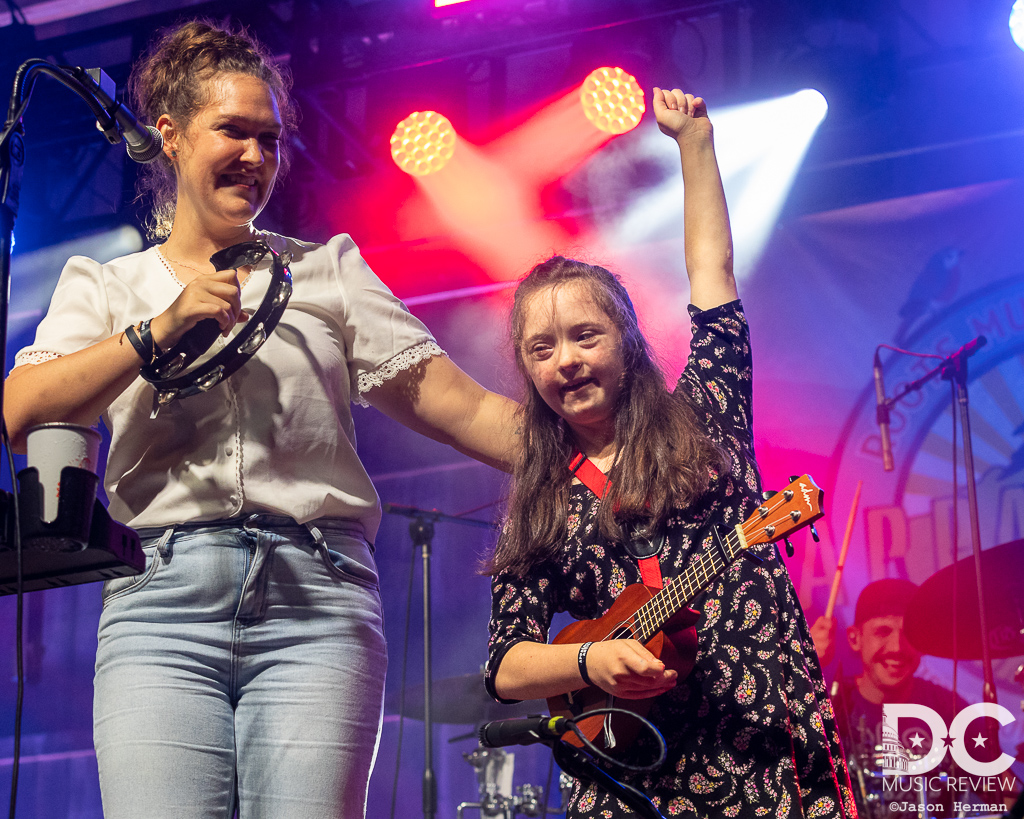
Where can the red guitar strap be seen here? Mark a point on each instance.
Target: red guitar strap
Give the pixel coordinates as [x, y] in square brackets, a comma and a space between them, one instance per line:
[597, 482]
[650, 571]
[593, 478]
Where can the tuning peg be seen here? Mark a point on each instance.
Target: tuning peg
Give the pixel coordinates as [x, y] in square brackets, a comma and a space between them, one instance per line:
[814, 534]
[789, 547]
[793, 478]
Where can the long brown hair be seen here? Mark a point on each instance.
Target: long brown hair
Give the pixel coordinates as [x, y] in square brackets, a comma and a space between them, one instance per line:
[173, 78]
[663, 456]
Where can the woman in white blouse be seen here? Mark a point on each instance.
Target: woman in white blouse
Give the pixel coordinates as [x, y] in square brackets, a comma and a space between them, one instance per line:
[244, 669]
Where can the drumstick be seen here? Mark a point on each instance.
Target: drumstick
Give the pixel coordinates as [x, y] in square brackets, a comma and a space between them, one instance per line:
[830, 608]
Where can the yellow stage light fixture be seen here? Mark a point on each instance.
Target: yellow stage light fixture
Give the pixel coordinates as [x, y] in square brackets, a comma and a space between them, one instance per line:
[612, 100]
[423, 143]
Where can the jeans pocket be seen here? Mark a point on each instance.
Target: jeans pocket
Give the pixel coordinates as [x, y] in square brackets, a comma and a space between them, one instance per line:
[347, 568]
[120, 586]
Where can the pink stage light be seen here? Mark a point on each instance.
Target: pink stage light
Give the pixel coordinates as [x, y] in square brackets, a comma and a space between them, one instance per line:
[489, 203]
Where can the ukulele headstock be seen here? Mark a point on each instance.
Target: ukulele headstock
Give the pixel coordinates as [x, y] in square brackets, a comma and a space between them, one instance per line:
[796, 506]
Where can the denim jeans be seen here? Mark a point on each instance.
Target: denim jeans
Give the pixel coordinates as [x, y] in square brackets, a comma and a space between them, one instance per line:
[244, 668]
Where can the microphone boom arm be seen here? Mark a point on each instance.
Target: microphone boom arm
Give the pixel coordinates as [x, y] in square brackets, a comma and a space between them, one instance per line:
[950, 363]
[100, 87]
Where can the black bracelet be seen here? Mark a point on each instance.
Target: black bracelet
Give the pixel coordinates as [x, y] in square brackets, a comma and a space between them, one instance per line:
[581, 660]
[142, 341]
[148, 340]
[140, 347]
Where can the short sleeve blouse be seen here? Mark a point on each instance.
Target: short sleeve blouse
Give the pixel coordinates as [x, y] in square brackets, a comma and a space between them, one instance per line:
[278, 436]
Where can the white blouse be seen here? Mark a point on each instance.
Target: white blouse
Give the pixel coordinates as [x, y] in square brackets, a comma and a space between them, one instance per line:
[277, 436]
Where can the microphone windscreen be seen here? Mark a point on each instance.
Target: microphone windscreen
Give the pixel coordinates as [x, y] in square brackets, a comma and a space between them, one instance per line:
[151, 151]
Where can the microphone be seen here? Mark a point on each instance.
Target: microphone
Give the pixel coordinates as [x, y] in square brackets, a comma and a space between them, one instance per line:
[882, 415]
[522, 731]
[145, 143]
[971, 347]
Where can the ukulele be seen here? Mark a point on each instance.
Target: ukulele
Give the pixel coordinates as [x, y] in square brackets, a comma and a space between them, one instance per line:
[661, 619]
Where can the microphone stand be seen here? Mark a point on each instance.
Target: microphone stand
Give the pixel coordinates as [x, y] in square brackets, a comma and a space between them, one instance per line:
[86, 85]
[421, 530]
[954, 368]
[12, 166]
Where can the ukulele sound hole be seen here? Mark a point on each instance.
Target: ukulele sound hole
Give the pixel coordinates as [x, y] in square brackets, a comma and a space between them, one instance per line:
[623, 632]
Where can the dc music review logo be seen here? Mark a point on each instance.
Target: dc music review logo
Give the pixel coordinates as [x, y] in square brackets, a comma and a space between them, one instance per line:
[897, 762]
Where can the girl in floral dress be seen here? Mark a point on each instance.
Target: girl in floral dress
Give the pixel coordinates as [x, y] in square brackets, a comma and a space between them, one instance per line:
[750, 731]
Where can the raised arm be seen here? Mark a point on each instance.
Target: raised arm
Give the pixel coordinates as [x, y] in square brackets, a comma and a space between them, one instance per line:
[437, 399]
[705, 215]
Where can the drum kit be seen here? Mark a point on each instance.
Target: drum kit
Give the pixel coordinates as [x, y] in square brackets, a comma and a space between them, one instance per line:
[463, 700]
[919, 800]
[943, 620]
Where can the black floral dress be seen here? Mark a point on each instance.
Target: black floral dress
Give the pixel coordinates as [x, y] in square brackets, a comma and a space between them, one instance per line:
[750, 731]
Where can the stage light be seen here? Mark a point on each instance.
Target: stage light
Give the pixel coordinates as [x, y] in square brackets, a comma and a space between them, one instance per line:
[442, 3]
[759, 146]
[612, 100]
[423, 143]
[1017, 23]
[493, 216]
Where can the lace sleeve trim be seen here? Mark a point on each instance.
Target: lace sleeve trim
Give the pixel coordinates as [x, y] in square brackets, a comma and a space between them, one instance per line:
[35, 357]
[393, 366]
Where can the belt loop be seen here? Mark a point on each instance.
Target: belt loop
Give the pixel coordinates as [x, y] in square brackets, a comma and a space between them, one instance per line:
[318, 537]
[163, 546]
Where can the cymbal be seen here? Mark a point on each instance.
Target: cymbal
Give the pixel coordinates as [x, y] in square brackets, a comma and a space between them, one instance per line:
[460, 700]
[929, 620]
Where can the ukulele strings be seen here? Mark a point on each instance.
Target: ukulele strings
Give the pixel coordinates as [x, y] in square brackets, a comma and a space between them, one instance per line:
[652, 615]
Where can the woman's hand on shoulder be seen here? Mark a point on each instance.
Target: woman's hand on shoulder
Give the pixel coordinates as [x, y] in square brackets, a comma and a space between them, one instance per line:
[210, 295]
[681, 116]
[626, 669]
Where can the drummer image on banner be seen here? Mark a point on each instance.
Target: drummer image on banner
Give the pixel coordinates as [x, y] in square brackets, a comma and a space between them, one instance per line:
[889, 663]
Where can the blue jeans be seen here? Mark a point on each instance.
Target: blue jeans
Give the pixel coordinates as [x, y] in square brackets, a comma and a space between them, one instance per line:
[244, 668]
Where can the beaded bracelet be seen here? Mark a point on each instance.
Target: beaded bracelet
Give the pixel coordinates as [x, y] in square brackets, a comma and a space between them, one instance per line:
[581, 660]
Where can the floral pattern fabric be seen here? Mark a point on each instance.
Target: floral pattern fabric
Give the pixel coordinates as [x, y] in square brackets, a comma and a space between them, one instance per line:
[750, 732]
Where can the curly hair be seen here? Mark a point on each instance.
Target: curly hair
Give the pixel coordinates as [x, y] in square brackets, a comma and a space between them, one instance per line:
[663, 458]
[173, 78]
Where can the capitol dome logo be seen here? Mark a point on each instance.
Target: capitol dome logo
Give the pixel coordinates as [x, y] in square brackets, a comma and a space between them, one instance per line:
[895, 759]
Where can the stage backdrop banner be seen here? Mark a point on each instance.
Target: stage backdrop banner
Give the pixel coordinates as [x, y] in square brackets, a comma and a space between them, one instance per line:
[927, 274]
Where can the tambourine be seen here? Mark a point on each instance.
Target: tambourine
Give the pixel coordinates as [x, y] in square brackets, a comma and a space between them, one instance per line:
[170, 374]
